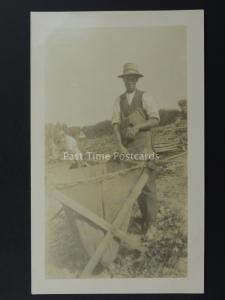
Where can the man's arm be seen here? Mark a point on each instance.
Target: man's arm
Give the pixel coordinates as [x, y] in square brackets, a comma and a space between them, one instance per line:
[116, 128]
[116, 125]
[152, 122]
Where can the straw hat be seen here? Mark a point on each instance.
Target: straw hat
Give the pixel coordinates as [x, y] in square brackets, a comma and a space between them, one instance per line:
[130, 69]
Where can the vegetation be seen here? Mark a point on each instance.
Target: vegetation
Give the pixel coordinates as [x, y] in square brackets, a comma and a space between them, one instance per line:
[102, 128]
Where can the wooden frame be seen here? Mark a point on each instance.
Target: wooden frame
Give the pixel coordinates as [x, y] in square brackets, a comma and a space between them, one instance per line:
[112, 230]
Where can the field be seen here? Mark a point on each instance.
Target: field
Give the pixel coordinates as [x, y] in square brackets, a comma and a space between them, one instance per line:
[161, 253]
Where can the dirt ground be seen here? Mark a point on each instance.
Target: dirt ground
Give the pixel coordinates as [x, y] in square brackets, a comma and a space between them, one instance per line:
[162, 252]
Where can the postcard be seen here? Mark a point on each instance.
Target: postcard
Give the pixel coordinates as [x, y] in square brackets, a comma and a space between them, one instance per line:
[117, 152]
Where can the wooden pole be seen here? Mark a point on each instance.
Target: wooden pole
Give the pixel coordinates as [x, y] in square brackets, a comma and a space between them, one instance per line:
[81, 210]
[117, 223]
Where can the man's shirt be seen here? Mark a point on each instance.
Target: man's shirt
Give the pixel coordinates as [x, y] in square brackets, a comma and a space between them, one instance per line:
[148, 105]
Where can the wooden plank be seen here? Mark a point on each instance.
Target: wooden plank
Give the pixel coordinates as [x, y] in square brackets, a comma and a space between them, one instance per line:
[117, 223]
[171, 146]
[174, 156]
[166, 150]
[92, 217]
[165, 144]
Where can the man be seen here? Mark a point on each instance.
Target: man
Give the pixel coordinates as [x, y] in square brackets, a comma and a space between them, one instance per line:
[134, 115]
[183, 109]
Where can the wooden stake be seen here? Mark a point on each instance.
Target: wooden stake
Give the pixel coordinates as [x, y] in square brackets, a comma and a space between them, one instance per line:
[81, 210]
[117, 223]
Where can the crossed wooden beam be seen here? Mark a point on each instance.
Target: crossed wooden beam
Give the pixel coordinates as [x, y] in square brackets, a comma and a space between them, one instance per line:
[112, 230]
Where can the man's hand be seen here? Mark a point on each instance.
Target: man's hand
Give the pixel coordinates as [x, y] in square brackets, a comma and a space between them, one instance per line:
[122, 149]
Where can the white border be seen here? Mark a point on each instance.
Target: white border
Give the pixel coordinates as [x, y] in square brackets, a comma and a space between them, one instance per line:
[194, 283]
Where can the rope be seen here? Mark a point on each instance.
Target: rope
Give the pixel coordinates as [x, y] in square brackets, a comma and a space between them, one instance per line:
[113, 174]
[100, 178]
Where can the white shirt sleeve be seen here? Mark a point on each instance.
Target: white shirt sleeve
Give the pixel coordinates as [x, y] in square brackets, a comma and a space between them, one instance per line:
[116, 111]
[150, 106]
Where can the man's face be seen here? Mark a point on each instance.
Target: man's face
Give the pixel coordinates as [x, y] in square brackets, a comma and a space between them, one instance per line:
[183, 108]
[130, 82]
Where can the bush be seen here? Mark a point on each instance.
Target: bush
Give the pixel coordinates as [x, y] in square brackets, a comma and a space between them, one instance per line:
[98, 130]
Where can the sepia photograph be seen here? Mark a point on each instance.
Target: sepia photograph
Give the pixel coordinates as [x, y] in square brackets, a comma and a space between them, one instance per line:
[117, 152]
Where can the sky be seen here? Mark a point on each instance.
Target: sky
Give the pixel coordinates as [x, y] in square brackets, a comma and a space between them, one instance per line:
[81, 66]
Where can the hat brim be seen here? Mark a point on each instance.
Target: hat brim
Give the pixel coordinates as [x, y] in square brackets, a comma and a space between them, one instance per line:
[125, 75]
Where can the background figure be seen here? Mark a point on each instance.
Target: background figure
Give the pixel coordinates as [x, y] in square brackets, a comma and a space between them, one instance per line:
[67, 143]
[181, 123]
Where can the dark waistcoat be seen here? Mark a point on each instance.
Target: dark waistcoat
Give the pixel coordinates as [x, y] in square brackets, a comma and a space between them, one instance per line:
[132, 114]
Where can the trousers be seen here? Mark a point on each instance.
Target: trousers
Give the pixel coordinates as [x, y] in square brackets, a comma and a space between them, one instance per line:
[147, 201]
